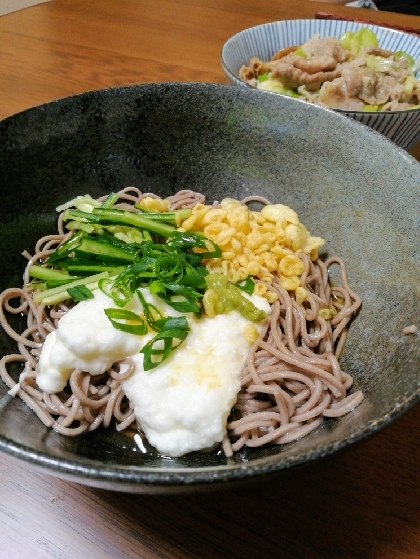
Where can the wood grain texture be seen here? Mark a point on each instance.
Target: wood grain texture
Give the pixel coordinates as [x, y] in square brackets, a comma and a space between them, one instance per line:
[363, 503]
[68, 46]
[65, 47]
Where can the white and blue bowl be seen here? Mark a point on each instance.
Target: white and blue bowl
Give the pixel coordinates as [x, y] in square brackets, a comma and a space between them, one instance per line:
[401, 127]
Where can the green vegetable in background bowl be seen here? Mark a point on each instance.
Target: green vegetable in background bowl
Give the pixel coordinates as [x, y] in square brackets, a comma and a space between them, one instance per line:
[352, 72]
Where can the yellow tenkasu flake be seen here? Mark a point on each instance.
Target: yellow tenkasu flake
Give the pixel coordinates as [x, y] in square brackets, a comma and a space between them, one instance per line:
[253, 268]
[254, 240]
[271, 296]
[260, 289]
[291, 265]
[215, 215]
[299, 239]
[290, 284]
[189, 223]
[328, 312]
[296, 236]
[250, 333]
[301, 295]
[312, 246]
[278, 213]
[220, 233]
[229, 203]
[236, 245]
[155, 204]
[258, 218]
[258, 244]
[195, 221]
[280, 251]
[268, 260]
[238, 217]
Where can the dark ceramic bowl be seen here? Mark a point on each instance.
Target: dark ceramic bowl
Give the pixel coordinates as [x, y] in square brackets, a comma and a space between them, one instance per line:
[348, 183]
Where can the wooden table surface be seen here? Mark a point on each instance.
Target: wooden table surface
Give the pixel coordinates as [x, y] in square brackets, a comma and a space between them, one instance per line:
[363, 503]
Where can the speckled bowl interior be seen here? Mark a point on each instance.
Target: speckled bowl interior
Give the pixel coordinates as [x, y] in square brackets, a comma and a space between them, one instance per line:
[348, 183]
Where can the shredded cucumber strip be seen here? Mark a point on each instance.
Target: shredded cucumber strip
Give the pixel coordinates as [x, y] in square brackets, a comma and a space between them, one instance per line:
[57, 294]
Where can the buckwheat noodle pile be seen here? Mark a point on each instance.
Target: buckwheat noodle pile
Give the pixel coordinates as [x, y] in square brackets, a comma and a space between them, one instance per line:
[291, 381]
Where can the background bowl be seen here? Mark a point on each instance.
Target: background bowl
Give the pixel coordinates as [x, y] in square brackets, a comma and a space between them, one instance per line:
[348, 184]
[401, 127]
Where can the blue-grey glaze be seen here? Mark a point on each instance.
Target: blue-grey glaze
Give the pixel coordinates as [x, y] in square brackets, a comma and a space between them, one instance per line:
[348, 184]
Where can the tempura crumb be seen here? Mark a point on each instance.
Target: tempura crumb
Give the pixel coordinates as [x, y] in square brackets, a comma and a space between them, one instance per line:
[410, 329]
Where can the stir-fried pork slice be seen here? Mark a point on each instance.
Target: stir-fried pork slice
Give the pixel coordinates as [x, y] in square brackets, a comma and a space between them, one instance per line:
[354, 81]
[401, 74]
[377, 87]
[336, 95]
[395, 105]
[246, 73]
[377, 51]
[322, 63]
[256, 68]
[283, 52]
[328, 46]
[323, 72]
[292, 77]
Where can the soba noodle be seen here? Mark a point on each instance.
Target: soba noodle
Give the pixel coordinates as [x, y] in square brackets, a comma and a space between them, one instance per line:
[291, 382]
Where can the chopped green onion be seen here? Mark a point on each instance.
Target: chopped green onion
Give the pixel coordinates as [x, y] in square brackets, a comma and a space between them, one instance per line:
[379, 64]
[353, 42]
[406, 56]
[136, 325]
[291, 93]
[371, 108]
[179, 240]
[367, 37]
[173, 331]
[409, 85]
[247, 285]
[271, 85]
[300, 52]
[263, 77]
[181, 299]
[120, 294]
[346, 40]
[80, 293]
[151, 313]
